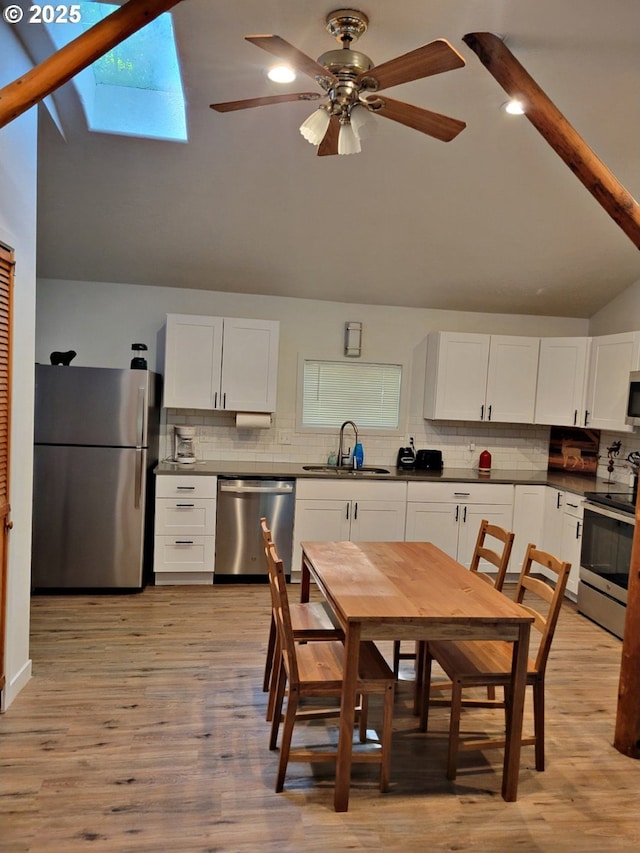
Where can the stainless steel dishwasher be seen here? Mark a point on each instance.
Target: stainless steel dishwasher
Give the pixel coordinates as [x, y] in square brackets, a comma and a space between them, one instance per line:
[241, 505]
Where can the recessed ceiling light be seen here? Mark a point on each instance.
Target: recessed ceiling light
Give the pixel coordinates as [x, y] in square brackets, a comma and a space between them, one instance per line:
[514, 107]
[281, 74]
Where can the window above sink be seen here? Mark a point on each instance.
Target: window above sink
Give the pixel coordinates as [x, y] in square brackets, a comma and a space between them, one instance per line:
[334, 391]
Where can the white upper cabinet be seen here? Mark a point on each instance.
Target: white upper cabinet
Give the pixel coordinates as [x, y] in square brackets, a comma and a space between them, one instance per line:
[562, 372]
[193, 361]
[613, 357]
[456, 376]
[481, 377]
[249, 365]
[221, 363]
[512, 377]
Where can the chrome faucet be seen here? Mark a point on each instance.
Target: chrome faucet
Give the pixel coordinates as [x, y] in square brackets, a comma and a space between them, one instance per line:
[342, 457]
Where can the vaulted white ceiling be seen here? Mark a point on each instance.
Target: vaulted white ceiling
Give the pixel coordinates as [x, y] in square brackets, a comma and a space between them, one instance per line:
[492, 221]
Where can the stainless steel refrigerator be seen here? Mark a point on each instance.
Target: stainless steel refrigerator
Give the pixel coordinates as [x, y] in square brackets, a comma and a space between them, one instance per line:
[96, 443]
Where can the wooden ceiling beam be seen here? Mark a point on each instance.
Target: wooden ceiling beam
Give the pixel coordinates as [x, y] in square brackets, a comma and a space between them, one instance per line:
[561, 136]
[60, 67]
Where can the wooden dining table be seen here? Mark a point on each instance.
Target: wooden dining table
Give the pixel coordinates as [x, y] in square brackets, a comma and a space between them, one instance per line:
[413, 591]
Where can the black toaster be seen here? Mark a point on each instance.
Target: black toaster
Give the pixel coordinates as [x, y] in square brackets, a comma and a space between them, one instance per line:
[429, 460]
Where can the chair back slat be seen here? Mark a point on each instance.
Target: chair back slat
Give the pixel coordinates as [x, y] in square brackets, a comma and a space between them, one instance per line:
[546, 622]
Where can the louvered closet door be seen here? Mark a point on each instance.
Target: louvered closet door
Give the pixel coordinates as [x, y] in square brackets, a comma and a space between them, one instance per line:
[6, 293]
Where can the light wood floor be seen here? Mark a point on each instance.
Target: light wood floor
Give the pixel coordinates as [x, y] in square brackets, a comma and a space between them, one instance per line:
[143, 730]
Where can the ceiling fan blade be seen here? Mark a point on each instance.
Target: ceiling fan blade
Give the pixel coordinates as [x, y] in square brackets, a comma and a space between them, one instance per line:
[329, 144]
[433, 58]
[433, 124]
[229, 106]
[283, 50]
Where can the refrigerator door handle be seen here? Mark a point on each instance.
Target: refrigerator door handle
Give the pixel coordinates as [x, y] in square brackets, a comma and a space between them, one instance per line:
[140, 418]
[137, 496]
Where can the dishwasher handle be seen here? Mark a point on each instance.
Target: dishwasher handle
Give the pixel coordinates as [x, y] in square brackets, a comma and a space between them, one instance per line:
[257, 488]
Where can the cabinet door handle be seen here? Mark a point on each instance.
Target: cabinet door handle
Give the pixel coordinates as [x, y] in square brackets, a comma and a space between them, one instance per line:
[558, 498]
[578, 526]
[215, 399]
[183, 542]
[348, 505]
[489, 414]
[586, 417]
[185, 488]
[575, 417]
[184, 506]
[482, 412]
[355, 511]
[464, 516]
[224, 400]
[457, 512]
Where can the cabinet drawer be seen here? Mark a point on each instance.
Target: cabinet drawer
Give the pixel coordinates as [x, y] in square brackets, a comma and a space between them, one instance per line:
[461, 493]
[573, 505]
[185, 515]
[183, 553]
[350, 490]
[185, 485]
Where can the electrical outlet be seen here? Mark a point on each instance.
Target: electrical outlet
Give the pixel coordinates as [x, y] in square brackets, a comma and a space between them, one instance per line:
[284, 436]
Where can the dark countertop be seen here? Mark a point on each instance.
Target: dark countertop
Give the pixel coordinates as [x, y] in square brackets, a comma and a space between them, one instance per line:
[295, 470]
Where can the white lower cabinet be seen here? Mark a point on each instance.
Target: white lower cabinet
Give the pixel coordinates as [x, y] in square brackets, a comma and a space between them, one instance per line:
[185, 527]
[449, 514]
[528, 523]
[333, 510]
[572, 539]
[563, 514]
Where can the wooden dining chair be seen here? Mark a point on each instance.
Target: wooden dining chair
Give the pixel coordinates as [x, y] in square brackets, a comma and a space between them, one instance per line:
[314, 671]
[496, 554]
[479, 663]
[311, 621]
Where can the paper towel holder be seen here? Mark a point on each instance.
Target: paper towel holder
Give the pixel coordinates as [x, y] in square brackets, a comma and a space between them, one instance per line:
[352, 339]
[253, 420]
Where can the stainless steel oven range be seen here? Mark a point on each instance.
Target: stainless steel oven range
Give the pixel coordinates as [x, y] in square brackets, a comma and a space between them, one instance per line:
[605, 558]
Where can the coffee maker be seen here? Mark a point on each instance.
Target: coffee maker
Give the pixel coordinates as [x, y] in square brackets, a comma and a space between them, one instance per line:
[184, 445]
[406, 460]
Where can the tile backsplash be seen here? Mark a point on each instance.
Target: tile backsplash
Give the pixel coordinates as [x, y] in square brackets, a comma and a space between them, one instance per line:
[512, 446]
[520, 447]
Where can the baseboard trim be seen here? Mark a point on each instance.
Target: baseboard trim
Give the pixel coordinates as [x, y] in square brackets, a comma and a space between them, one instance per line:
[15, 686]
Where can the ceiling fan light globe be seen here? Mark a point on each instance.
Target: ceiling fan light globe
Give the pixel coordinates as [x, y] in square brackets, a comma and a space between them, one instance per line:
[281, 74]
[362, 122]
[314, 128]
[515, 107]
[348, 142]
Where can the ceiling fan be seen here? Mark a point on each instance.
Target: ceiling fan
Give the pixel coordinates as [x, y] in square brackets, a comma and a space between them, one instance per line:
[351, 83]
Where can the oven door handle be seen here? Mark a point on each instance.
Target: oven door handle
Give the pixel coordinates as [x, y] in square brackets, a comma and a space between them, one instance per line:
[625, 518]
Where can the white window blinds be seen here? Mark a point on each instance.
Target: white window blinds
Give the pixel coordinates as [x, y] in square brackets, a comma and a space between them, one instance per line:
[336, 391]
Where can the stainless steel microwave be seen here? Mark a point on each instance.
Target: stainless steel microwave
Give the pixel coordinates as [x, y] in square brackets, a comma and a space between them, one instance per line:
[633, 407]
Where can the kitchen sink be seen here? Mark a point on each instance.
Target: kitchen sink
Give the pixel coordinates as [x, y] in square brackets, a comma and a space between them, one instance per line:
[345, 472]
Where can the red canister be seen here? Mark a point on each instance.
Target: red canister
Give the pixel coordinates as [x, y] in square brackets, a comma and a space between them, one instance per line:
[484, 466]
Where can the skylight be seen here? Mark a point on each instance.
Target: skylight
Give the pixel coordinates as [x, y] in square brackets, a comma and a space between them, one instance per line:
[136, 88]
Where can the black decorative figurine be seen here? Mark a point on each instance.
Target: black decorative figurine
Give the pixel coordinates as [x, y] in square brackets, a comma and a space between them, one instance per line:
[63, 359]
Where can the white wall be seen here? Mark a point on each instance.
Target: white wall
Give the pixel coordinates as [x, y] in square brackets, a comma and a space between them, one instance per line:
[18, 230]
[622, 314]
[100, 321]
